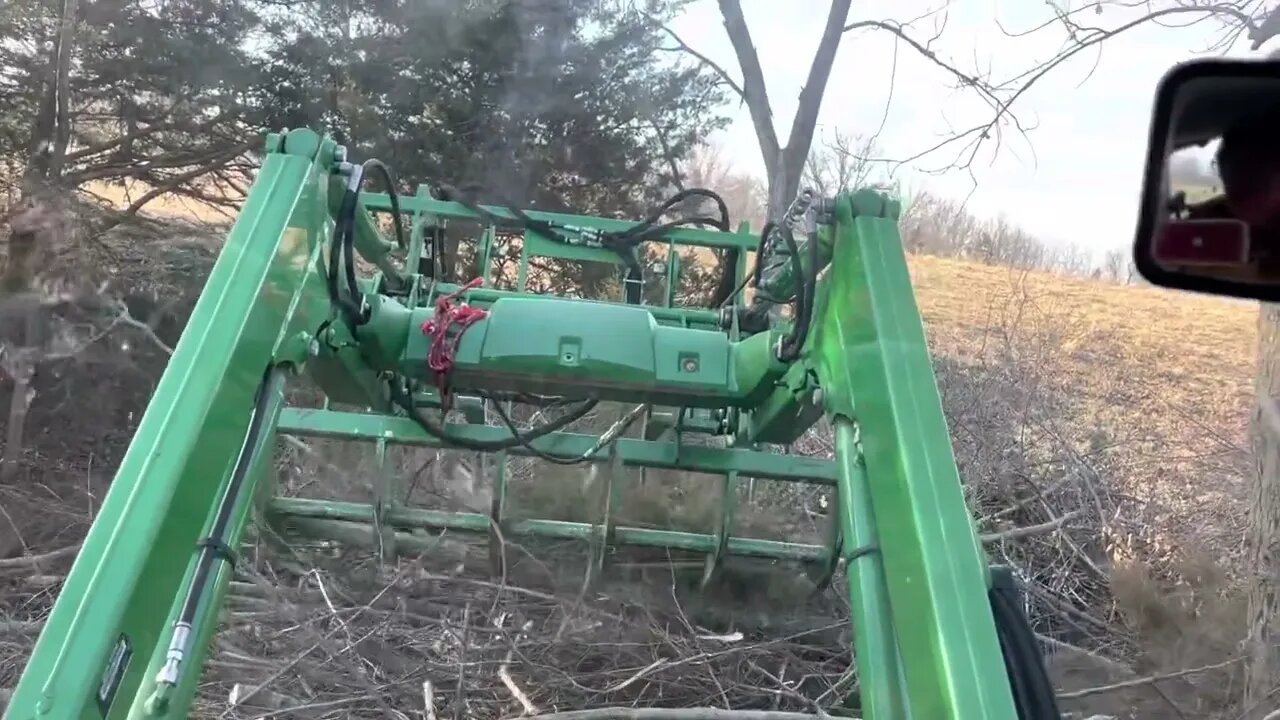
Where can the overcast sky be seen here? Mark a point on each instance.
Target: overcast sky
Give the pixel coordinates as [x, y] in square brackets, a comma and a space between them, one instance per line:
[1074, 179]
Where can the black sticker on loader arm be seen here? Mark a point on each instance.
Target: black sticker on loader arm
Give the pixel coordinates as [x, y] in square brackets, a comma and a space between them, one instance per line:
[117, 664]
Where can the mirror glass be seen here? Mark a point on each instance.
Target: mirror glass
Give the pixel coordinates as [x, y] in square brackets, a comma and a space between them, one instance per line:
[1216, 218]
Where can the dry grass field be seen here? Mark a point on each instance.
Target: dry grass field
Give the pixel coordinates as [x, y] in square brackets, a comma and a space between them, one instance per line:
[1160, 382]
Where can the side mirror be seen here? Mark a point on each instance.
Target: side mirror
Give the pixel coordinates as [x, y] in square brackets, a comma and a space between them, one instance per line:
[1210, 214]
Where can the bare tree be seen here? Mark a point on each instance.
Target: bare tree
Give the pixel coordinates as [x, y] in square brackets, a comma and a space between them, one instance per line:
[743, 193]
[51, 131]
[841, 163]
[784, 164]
[1115, 266]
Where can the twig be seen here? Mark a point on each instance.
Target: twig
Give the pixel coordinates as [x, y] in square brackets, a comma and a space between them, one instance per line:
[127, 318]
[626, 713]
[26, 560]
[1146, 680]
[783, 689]
[428, 700]
[1101, 659]
[298, 657]
[312, 706]
[1042, 528]
[504, 674]
[459, 696]
[20, 627]
[646, 670]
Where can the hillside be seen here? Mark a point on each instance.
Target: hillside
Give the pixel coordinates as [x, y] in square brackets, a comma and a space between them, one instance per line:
[1152, 385]
[1129, 407]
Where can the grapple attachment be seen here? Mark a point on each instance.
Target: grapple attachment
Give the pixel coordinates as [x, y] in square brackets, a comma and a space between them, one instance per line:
[435, 347]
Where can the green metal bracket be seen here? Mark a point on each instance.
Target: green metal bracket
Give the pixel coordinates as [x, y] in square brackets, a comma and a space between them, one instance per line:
[262, 292]
[874, 366]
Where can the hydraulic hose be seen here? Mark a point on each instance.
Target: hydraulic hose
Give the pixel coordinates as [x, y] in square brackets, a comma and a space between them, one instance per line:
[791, 344]
[353, 306]
[622, 242]
[356, 310]
[806, 295]
[216, 547]
[1033, 694]
[404, 400]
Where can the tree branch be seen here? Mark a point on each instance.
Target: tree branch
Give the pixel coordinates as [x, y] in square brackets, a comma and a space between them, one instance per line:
[753, 88]
[27, 560]
[1043, 527]
[815, 86]
[1001, 96]
[716, 67]
[1136, 682]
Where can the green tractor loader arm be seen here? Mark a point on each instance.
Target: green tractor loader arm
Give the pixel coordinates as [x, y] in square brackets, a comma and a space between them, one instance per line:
[131, 628]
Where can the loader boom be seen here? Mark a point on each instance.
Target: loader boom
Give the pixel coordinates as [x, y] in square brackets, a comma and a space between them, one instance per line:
[130, 630]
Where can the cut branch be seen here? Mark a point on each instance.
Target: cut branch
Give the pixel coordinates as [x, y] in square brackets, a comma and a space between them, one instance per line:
[1148, 680]
[1040, 529]
[626, 713]
[28, 560]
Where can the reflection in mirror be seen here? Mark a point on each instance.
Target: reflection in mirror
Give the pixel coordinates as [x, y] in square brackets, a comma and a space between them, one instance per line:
[1221, 181]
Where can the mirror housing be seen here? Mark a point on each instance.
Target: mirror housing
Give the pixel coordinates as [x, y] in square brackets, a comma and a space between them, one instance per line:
[1209, 219]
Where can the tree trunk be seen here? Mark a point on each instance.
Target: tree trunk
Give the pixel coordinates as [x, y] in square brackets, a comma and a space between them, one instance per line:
[1264, 521]
[62, 82]
[784, 165]
[22, 371]
[51, 132]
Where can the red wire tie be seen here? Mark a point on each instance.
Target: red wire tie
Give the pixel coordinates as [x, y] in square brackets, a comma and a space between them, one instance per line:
[449, 315]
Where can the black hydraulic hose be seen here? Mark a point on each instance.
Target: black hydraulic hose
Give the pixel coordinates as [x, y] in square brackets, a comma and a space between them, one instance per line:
[387, 179]
[216, 546]
[343, 244]
[794, 341]
[649, 229]
[404, 400]
[622, 242]
[1033, 694]
[344, 239]
[376, 165]
[511, 425]
[521, 219]
[753, 277]
[804, 310]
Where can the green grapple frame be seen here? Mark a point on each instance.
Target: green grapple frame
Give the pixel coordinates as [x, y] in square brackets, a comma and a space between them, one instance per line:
[130, 631]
